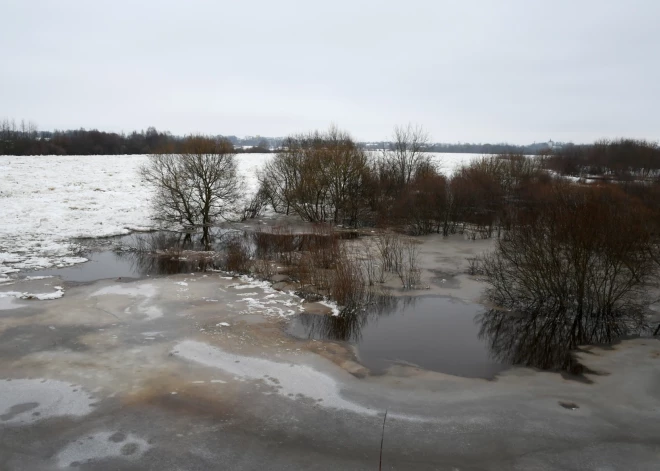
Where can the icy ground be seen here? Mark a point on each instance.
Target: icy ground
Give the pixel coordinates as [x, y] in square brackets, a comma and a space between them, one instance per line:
[45, 201]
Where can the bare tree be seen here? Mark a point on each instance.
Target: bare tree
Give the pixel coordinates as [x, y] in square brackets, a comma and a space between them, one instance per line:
[407, 155]
[318, 176]
[197, 187]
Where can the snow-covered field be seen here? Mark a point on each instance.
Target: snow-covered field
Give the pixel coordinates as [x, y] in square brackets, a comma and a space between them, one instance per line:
[45, 201]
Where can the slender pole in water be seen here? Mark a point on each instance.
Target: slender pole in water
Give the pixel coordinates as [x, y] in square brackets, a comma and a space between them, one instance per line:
[382, 437]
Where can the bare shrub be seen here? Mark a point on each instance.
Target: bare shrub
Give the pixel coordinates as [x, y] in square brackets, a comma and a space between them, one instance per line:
[474, 266]
[264, 268]
[238, 257]
[408, 268]
[197, 187]
[322, 245]
[579, 255]
[301, 271]
[389, 249]
[399, 255]
[372, 266]
[424, 205]
[318, 176]
[276, 243]
[487, 193]
[407, 155]
[348, 284]
[255, 205]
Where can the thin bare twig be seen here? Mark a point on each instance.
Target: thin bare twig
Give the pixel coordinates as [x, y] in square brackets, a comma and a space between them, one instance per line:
[382, 437]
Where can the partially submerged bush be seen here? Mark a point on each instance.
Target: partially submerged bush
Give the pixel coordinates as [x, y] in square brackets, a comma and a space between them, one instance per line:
[238, 258]
[348, 285]
[399, 255]
[581, 255]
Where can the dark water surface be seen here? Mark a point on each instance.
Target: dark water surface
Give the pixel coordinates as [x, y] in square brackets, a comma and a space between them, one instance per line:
[100, 265]
[131, 256]
[435, 333]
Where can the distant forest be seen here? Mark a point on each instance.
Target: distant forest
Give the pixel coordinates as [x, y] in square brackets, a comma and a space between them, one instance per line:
[24, 138]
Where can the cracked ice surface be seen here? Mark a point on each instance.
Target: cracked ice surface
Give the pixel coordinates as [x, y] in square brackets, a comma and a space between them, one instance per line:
[47, 200]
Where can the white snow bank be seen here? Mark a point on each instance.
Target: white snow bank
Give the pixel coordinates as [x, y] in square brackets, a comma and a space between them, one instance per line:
[334, 307]
[274, 303]
[40, 296]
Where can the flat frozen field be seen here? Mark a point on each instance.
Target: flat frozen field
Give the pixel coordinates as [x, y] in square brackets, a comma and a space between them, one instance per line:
[45, 201]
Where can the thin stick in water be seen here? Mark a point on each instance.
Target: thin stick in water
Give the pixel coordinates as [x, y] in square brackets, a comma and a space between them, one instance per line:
[382, 437]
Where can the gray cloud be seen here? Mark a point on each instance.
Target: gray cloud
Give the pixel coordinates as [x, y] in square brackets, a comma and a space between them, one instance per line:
[515, 71]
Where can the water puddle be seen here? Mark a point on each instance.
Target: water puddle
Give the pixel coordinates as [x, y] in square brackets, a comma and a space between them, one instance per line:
[104, 265]
[434, 333]
[135, 256]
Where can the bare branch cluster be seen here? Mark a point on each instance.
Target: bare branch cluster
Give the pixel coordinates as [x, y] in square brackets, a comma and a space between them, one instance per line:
[195, 188]
[578, 255]
[318, 176]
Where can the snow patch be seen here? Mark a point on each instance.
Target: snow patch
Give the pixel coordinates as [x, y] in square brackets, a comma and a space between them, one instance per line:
[332, 305]
[25, 401]
[102, 445]
[290, 380]
[40, 296]
[146, 291]
[269, 305]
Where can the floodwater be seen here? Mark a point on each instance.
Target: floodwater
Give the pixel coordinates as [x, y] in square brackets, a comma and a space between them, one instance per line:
[105, 265]
[434, 333]
[133, 256]
[100, 265]
[541, 340]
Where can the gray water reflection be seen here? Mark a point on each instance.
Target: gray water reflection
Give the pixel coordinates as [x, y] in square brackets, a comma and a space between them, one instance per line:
[548, 342]
[435, 333]
[105, 265]
[140, 255]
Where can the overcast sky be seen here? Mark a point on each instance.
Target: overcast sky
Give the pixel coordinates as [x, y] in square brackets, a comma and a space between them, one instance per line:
[478, 71]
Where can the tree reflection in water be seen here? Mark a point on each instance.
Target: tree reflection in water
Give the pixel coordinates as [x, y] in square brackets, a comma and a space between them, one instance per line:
[348, 324]
[162, 253]
[144, 263]
[547, 341]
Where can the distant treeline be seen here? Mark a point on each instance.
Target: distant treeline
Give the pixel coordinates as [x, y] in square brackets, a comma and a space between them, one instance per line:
[603, 157]
[620, 159]
[25, 139]
[474, 148]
